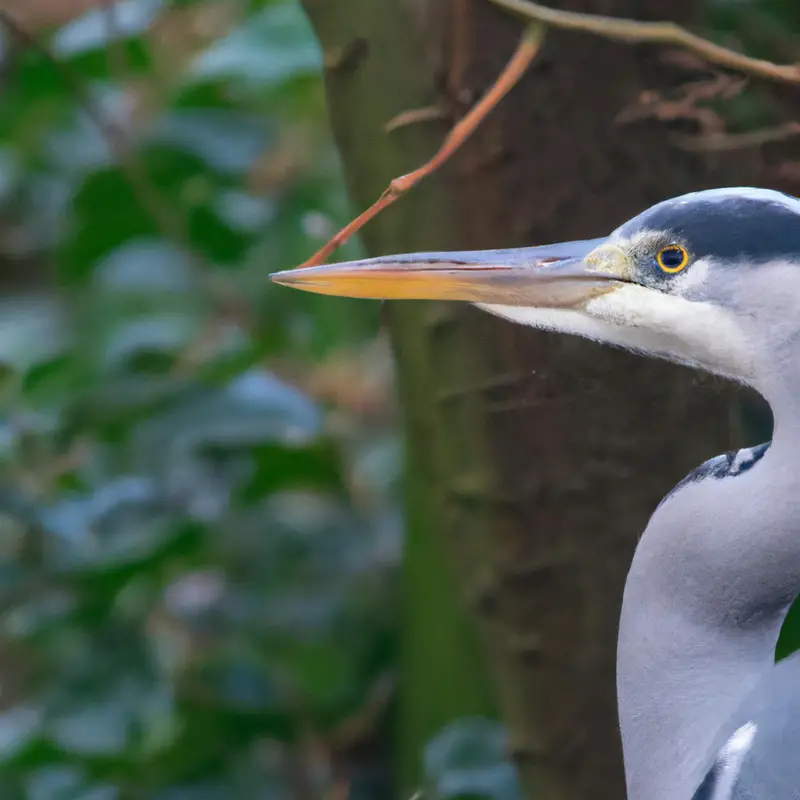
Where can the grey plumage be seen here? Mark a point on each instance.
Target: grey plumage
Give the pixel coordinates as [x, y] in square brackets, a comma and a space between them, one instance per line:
[723, 778]
[769, 765]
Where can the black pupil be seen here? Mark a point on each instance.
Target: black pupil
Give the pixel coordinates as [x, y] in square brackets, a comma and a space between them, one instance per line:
[672, 257]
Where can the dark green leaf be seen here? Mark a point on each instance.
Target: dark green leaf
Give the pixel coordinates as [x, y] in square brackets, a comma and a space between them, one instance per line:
[469, 759]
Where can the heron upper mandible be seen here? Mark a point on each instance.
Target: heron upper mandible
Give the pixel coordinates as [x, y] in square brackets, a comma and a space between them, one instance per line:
[709, 279]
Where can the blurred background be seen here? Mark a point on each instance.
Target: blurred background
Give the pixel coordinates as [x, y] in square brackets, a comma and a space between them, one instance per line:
[201, 507]
[200, 526]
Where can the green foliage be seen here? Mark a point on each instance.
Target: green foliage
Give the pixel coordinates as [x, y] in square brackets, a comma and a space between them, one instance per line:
[469, 759]
[196, 560]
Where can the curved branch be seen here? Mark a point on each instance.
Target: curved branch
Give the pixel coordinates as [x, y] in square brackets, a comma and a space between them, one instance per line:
[629, 30]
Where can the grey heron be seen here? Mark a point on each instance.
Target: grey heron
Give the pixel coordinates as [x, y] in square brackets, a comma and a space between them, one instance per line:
[710, 279]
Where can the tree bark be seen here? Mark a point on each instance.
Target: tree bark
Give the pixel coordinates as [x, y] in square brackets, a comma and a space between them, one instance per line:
[534, 459]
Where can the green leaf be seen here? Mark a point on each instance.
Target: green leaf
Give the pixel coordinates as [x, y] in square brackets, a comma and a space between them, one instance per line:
[98, 728]
[122, 522]
[227, 141]
[165, 333]
[65, 783]
[255, 408]
[469, 759]
[33, 329]
[144, 264]
[243, 212]
[18, 726]
[99, 27]
[272, 47]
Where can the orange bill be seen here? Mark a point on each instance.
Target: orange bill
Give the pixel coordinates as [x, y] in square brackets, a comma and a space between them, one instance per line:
[552, 276]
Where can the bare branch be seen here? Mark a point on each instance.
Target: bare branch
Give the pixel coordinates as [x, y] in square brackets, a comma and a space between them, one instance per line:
[653, 105]
[629, 30]
[720, 141]
[413, 117]
[515, 69]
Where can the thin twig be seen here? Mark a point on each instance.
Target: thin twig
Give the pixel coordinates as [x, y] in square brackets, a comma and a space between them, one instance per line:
[717, 142]
[414, 116]
[514, 70]
[653, 105]
[629, 30]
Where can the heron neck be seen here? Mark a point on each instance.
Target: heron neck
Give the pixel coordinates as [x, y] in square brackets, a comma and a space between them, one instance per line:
[710, 584]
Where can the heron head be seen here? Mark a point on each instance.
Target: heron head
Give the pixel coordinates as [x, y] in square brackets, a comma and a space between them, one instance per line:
[707, 279]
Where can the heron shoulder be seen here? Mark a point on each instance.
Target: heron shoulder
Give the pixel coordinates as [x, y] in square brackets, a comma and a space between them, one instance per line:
[727, 465]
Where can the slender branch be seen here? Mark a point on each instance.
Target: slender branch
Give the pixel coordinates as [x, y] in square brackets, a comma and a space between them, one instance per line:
[629, 30]
[652, 104]
[514, 70]
[719, 141]
[413, 117]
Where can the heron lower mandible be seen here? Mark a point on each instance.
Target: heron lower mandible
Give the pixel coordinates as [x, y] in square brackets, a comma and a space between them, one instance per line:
[712, 280]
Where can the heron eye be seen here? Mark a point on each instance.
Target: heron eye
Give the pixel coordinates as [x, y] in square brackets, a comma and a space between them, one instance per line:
[672, 259]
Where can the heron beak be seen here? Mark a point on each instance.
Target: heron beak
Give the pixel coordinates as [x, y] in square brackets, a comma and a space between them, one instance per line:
[563, 275]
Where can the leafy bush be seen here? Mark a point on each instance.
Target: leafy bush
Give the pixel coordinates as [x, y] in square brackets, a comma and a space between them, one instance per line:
[197, 554]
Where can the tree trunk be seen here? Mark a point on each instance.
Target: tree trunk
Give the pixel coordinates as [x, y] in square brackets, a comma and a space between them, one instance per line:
[535, 460]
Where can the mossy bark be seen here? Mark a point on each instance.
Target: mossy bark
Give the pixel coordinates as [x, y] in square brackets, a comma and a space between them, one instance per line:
[533, 460]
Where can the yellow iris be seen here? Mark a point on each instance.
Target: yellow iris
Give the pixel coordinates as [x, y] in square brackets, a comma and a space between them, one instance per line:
[672, 259]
